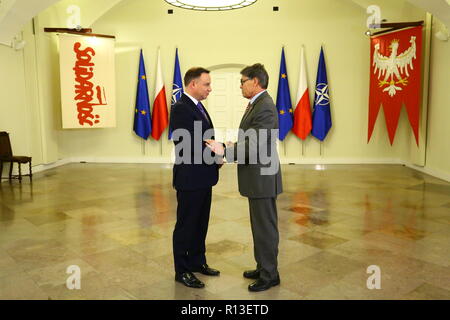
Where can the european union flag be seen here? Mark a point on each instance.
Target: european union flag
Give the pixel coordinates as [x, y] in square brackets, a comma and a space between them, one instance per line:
[177, 87]
[142, 121]
[321, 119]
[284, 105]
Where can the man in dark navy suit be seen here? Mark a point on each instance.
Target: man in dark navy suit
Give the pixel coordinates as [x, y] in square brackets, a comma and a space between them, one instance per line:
[193, 179]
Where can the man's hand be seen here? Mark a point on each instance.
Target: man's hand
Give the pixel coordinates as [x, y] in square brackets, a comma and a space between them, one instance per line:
[216, 147]
[229, 144]
[219, 161]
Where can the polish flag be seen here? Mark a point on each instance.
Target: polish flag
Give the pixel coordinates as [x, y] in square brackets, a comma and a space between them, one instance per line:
[302, 115]
[160, 115]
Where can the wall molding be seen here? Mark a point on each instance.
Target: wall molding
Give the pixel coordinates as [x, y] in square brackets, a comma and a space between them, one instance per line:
[313, 161]
[155, 160]
[310, 161]
[44, 167]
[432, 172]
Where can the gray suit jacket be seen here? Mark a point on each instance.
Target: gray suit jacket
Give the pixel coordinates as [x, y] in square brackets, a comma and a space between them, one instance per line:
[259, 172]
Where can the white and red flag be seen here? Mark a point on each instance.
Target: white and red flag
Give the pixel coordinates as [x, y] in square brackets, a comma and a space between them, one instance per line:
[160, 118]
[395, 78]
[302, 114]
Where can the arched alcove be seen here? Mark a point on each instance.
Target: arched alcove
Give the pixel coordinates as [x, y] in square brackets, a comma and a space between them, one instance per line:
[226, 66]
[225, 103]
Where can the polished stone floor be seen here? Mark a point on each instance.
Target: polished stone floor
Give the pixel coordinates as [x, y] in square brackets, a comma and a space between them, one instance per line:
[115, 222]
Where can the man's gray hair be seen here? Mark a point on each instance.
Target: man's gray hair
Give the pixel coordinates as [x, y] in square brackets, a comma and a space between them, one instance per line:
[259, 72]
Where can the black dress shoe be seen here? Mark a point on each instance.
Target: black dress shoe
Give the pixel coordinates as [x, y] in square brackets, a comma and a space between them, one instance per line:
[261, 285]
[206, 270]
[251, 274]
[189, 280]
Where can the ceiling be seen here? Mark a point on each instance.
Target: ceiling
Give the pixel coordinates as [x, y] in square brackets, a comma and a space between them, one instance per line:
[14, 14]
[439, 8]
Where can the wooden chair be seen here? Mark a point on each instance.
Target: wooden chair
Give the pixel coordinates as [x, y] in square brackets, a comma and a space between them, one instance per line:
[6, 155]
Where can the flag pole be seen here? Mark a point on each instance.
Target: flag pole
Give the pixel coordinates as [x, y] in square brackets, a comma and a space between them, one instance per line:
[320, 148]
[284, 142]
[143, 147]
[161, 140]
[303, 148]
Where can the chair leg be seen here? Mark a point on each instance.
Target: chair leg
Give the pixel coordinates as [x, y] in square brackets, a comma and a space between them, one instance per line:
[20, 173]
[31, 173]
[10, 170]
[1, 170]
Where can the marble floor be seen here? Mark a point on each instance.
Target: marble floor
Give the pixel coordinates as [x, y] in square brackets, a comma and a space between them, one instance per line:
[115, 222]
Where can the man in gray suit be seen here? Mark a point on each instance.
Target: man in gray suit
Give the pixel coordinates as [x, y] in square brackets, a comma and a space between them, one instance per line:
[256, 154]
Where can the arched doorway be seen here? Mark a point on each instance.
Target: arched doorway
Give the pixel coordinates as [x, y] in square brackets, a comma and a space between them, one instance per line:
[225, 103]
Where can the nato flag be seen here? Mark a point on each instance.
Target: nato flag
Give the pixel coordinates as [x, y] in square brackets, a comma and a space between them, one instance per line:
[177, 87]
[321, 119]
[142, 121]
[284, 105]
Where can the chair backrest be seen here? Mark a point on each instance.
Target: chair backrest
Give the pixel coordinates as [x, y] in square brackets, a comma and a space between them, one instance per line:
[5, 145]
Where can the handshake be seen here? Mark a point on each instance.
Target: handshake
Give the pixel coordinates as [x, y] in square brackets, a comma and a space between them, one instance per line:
[218, 147]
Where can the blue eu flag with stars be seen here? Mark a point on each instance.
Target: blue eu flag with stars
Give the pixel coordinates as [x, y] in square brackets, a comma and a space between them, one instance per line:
[177, 87]
[142, 120]
[321, 119]
[284, 105]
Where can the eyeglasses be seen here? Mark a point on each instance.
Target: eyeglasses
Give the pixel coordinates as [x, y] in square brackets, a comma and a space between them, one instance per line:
[243, 81]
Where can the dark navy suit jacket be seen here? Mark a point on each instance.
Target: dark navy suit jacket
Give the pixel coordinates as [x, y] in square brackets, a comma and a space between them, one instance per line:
[190, 176]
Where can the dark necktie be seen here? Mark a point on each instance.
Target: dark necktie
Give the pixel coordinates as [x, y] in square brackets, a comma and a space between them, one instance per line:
[247, 110]
[202, 110]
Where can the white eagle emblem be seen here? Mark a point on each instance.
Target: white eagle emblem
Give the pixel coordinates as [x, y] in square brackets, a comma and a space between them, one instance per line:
[394, 65]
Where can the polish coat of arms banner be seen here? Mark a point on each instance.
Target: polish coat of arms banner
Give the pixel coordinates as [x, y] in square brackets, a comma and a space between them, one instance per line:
[395, 79]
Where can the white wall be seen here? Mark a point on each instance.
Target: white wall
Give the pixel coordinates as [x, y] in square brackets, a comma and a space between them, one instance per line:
[255, 34]
[19, 110]
[438, 143]
[14, 114]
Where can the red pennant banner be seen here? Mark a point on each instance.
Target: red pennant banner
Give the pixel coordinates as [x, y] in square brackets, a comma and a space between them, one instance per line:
[395, 78]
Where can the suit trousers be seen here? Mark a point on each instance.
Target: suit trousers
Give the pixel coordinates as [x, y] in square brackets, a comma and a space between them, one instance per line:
[191, 228]
[264, 222]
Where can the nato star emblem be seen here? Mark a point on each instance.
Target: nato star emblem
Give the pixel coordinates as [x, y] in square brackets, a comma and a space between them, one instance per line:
[322, 96]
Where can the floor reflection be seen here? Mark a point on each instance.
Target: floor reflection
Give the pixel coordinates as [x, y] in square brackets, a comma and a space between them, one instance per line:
[116, 221]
